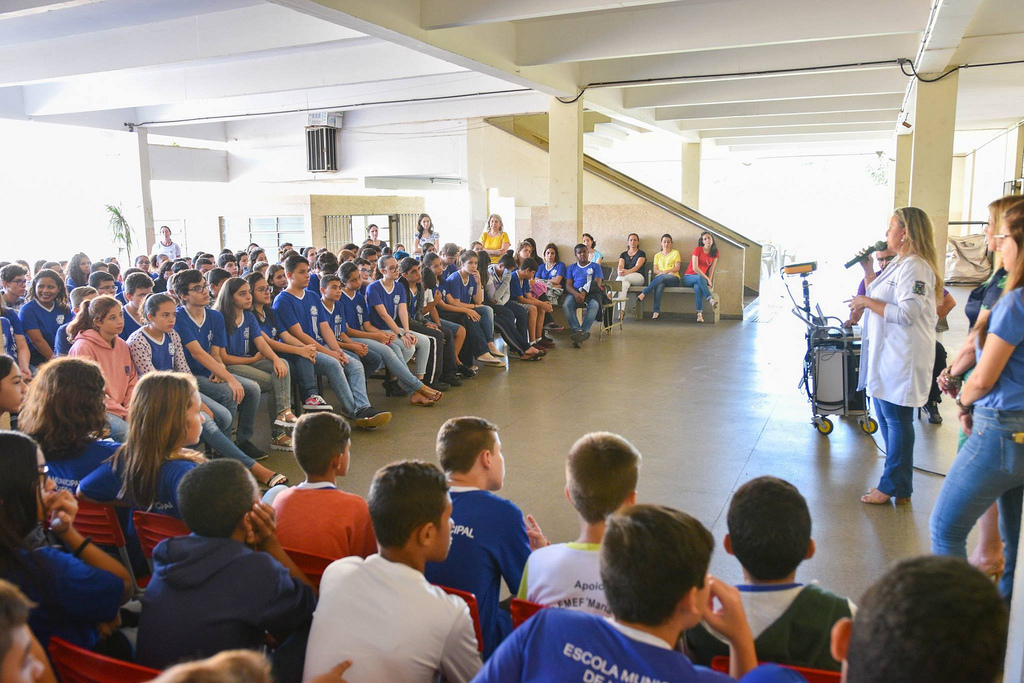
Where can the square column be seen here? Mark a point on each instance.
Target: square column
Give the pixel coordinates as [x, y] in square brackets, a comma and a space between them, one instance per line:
[931, 169]
[901, 181]
[691, 175]
[565, 180]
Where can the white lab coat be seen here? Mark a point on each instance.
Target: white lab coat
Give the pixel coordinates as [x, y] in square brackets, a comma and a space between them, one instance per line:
[898, 352]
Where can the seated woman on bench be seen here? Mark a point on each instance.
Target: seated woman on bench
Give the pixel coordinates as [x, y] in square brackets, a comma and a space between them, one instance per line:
[666, 273]
[701, 272]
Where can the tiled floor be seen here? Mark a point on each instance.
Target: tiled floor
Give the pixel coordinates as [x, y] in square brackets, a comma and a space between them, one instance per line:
[709, 406]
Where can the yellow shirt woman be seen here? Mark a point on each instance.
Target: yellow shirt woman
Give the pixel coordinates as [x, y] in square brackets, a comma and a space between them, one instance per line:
[665, 262]
[495, 242]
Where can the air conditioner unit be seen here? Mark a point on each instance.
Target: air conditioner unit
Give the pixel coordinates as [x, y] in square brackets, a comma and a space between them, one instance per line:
[321, 149]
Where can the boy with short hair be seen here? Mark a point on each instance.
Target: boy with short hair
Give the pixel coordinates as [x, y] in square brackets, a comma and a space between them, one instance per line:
[103, 283]
[654, 565]
[301, 314]
[22, 658]
[14, 280]
[228, 262]
[315, 516]
[332, 288]
[491, 540]
[449, 254]
[381, 612]
[228, 583]
[582, 284]
[137, 286]
[770, 535]
[601, 473]
[216, 279]
[538, 309]
[931, 618]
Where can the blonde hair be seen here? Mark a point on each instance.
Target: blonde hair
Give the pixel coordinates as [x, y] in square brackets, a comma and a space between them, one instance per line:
[157, 417]
[998, 208]
[921, 239]
[1011, 222]
[230, 666]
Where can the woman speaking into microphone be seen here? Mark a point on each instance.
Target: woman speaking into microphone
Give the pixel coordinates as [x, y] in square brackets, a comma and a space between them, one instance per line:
[899, 345]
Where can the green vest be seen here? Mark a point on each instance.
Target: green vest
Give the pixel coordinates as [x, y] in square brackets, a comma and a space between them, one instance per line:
[801, 635]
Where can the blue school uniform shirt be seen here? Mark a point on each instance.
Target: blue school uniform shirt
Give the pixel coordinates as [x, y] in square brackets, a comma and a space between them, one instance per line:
[10, 345]
[269, 323]
[242, 342]
[377, 295]
[63, 341]
[80, 597]
[35, 317]
[314, 284]
[336, 318]
[162, 353]
[489, 543]
[104, 484]
[68, 474]
[1007, 322]
[209, 332]
[515, 287]
[566, 645]
[545, 273]
[130, 325]
[354, 309]
[581, 275]
[464, 292]
[307, 312]
[120, 294]
[448, 270]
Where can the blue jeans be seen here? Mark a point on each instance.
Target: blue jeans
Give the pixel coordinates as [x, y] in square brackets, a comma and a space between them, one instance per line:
[658, 286]
[396, 365]
[304, 373]
[118, 428]
[475, 344]
[593, 308]
[700, 288]
[897, 425]
[348, 383]
[486, 322]
[989, 467]
[505, 319]
[214, 437]
[247, 409]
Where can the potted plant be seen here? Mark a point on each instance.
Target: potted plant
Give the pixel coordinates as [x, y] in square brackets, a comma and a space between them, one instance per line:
[120, 231]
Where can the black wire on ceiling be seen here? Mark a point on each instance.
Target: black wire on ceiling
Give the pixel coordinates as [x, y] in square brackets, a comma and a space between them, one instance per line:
[913, 70]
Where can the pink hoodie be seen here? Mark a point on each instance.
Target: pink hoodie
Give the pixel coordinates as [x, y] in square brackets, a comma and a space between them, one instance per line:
[116, 364]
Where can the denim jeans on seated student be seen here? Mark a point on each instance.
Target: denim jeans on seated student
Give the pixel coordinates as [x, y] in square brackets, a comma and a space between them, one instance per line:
[247, 409]
[592, 309]
[396, 364]
[486, 322]
[118, 428]
[700, 288]
[348, 382]
[658, 286]
[216, 438]
[989, 467]
[304, 373]
[262, 372]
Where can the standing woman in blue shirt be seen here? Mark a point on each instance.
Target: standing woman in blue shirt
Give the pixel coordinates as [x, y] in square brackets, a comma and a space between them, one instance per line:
[43, 314]
[990, 466]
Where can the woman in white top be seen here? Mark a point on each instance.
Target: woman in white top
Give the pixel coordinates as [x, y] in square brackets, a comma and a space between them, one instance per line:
[899, 345]
[425, 234]
[166, 246]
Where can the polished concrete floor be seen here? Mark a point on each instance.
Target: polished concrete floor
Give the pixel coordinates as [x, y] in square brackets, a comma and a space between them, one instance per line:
[709, 407]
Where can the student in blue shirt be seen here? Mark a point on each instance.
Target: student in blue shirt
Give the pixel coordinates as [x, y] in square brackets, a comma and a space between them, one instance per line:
[464, 346]
[501, 283]
[337, 314]
[78, 270]
[491, 539]
[79, 296]
[654, 566]
[103, 282]
[137, 287]
[77, 588]
[991, 411]
[443, 364]
[203, 334]
[582, 284]
[44, 312]
[464, 299]
[538, 309]
[300, 313]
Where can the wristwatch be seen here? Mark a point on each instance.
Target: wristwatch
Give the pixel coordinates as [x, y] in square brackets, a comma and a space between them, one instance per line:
[961, 406]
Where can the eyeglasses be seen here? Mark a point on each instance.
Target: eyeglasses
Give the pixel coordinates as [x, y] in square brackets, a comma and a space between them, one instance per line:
[263, 290]
[1000, 237]
[391, 269]
[44, 473]
[885, 259]
[199, 289]
[19, 281]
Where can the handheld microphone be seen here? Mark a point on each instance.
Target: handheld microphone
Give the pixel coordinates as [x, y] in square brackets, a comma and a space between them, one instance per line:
[877, 246]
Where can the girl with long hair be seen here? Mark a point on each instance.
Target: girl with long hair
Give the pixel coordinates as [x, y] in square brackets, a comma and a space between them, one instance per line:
[79, 269]
[278, 280]
[700, 273]
[96, 333]
[990, 407]
[898, 354]
[144, 473]
[630, 268]
[595, 255]
[248, 354]
[425, 234]
[78, 589]
[665, 274]
[443, 361]
[43, 314]
[12, 389]
[65, 412]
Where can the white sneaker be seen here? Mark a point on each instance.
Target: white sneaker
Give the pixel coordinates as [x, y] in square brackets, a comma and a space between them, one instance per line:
[316, 402]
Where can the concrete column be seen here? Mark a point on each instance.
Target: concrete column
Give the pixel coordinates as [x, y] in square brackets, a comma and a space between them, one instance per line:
[137, 201]
[565, 181]
[901, 183]
[931, 166]
[691, 175]
[476, 187]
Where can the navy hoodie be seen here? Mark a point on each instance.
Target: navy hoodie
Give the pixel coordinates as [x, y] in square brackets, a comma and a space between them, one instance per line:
[213, 594]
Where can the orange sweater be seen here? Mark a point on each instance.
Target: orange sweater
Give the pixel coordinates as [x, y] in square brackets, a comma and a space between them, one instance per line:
[324, 521]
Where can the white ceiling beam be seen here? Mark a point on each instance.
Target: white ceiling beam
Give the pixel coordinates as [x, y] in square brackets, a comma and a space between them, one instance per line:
[724, 23]
[611, 131]
[354, 62]
[207, 36]
[810, 105]
[15, 9]
[836, 128]
[1001, 48]
[789, 120]
[849, 82]
[800, 139]
[436, 14]
[945, 34]
[747, 59]
[822, 148]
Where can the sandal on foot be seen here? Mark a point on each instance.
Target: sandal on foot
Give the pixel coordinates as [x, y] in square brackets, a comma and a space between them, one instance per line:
[281, 442]
[286, 418]
[276, 480]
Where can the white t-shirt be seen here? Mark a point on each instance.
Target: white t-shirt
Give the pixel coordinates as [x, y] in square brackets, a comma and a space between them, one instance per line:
[392, 624]
[172, 249]
[566, 575]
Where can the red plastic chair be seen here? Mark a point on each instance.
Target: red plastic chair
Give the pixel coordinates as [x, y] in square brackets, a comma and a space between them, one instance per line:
[523, 610]
[812, 675]
[75, 664]
[474, 612]
[99, 522]
[313, 566]
[151, 528]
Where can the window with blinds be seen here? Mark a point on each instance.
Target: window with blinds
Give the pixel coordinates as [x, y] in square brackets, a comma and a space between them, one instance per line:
[266, 231]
